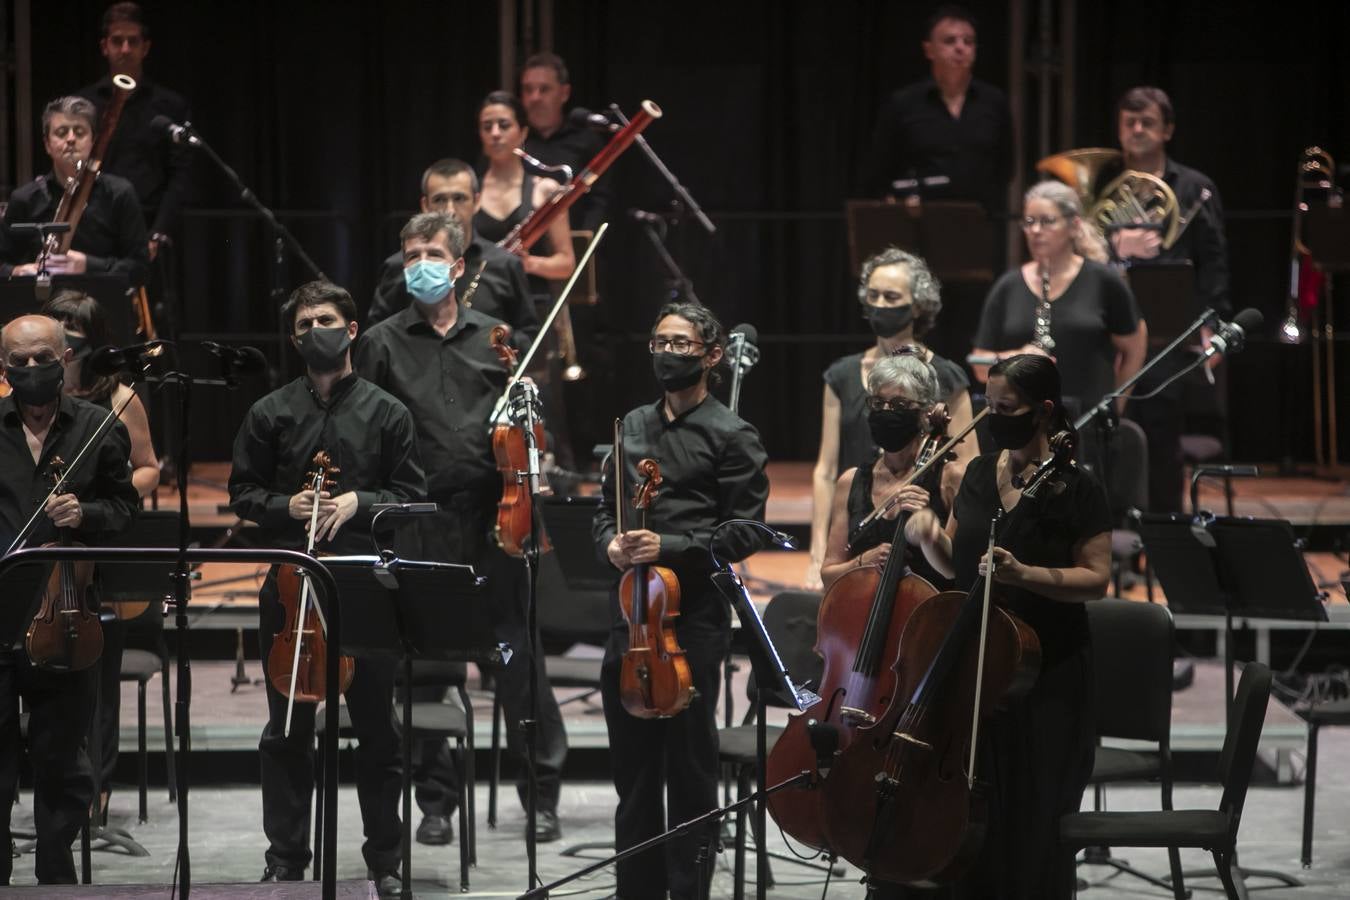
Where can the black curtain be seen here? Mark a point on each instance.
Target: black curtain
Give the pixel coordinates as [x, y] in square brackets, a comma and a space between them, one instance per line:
[330, 111]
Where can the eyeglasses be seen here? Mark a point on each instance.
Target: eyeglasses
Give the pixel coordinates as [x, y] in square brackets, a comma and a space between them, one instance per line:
[679, 346]
[1030, 222]
[878, 404]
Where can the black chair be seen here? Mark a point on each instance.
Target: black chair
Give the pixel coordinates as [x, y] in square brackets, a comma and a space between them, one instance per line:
[1132, 661]
[140, 666]
[790, 619]
[1215, 830]
[1333, 713]
[1126, 490]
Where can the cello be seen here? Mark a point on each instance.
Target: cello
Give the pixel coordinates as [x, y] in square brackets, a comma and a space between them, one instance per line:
[904, 801]
[515, 508]
[655, 681]
[858, 631]
[65, 635]
[298, 660]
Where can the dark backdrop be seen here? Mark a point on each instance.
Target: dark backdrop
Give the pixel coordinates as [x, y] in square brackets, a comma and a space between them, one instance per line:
[331, 110]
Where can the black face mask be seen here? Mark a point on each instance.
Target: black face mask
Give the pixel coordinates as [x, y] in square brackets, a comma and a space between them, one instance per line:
[1012, 432]
[324, 349]
[893, 429]
[36, 385]
[888, 321]
[677, 372]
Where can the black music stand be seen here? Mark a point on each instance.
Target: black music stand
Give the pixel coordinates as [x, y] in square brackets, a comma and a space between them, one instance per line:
[1165, 292]
[405, 610]
[946, 233]
[18, 296]
[1230, 566]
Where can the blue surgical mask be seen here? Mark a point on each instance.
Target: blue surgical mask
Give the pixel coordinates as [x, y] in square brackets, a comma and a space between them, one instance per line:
[428, 280]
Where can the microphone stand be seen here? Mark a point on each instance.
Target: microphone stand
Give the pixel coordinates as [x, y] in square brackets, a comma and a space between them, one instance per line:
[677, 282]
[685, 197]
[527, 400]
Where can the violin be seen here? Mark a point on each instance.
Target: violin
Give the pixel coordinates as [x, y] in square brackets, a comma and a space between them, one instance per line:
[655, 681]
[904, 801]
[515, 508]
[298, 660]
[65, 635]
[858, 633]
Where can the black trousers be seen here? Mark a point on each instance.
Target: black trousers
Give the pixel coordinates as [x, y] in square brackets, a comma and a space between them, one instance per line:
[288, 762]
[448, 537]
[675, 756]
[60, 708]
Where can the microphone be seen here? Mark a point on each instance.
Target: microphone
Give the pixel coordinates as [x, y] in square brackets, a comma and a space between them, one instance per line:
[651, 218]
[742, 349]
[110, 360]
[1232, 336]
[580, 117]
[179, 134]
[239, 360]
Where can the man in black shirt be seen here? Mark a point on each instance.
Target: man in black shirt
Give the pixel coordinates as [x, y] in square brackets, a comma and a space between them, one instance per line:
[950, 124]
[545, 88]
[451, 186]
[370, 438]
[111, 235]
[712, 469]
[435, 356]
[1146, 123]
[38, 423]
[157, 168]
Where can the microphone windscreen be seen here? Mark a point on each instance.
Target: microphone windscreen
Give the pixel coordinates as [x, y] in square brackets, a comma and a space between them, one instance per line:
[750, 332]
[161, 123]
[107, 360]
[1249, 320]
[580, 116]
[250, 361]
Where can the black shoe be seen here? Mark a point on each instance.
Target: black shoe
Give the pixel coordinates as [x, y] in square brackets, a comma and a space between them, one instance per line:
[387, 884]
[282, 873]
[546, 827]
[435, 830]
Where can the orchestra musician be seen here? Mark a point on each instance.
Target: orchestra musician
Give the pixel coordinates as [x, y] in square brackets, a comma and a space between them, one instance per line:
[451, 186]
[900, 300]
[371, 439]
[901, 391]
[436, 357]
[37, 423]
[158, 169]
[713, 469]
[86, 330]
[111, 237]
[545, 88]
[1145, 123]
[1038, 752]
[1096, 334]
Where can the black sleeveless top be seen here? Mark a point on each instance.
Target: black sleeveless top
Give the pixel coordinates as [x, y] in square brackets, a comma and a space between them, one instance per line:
[493, 229]
[882, 530]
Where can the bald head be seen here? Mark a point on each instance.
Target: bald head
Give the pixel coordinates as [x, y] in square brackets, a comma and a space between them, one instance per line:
[32, 340]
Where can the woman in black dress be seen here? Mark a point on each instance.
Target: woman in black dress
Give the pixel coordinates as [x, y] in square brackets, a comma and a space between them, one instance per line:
[1055, 557]
[901, 390]
[1064, 303]
[900, 300]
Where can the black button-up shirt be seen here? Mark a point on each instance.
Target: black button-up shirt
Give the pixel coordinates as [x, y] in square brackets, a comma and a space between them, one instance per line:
[369, 435]
[1203, 241]
[575, 147]
[157, 168]
[502, 291]
[111, 234]
[450, 384]
[102, 482]
[916, 137]
[712, 469]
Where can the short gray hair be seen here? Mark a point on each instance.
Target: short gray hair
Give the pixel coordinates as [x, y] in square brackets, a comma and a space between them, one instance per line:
[429, 224]
[75, 107]
[923, 286]
[908, 371]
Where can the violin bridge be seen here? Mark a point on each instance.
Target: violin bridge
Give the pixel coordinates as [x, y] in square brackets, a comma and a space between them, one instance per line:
[851, 715]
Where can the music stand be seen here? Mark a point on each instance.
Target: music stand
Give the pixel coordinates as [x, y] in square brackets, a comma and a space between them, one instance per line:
[1165, 292]
[18, 296]
[578, 601]
[954, 237]
[409, 609]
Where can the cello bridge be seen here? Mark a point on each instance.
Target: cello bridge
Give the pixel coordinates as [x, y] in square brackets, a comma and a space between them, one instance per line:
[851, 715]
[913, 741]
